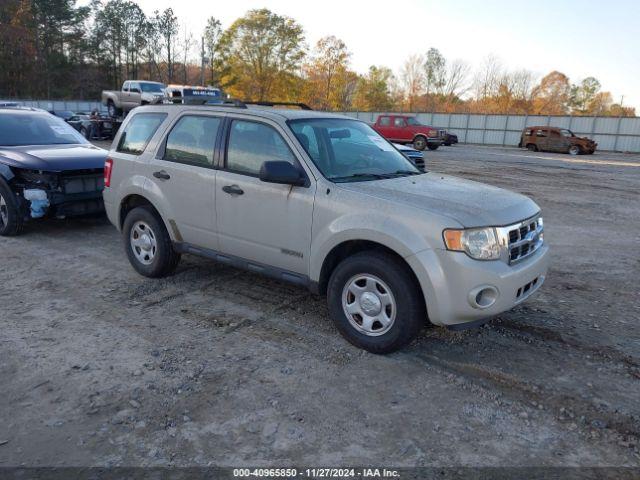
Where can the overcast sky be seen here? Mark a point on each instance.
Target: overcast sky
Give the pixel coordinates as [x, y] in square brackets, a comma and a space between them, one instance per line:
[579, 38]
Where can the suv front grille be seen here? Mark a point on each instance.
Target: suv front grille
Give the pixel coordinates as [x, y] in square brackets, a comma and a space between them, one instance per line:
[525, 238]
[83, 183]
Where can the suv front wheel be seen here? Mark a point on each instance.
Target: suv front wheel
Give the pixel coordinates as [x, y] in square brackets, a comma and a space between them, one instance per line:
[148, 244]
[375, 303]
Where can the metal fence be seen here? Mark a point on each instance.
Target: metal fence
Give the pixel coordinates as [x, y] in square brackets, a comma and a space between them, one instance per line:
[611, 133]
[67, 105]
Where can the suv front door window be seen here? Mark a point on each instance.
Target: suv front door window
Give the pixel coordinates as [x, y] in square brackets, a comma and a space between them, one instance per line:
[265, 223]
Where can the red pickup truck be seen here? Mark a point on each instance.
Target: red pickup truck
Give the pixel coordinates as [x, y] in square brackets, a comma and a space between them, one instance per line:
[407, 129]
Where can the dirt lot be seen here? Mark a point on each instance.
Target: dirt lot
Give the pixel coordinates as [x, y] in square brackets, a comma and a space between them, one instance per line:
[216, 366]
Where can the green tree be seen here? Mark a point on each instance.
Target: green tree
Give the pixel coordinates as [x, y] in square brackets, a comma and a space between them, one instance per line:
[212, 34]
[17, 48]
[263, 50]
[58, 28]
[584, 94]
[374, 90]
[167, 26]
[435, 71]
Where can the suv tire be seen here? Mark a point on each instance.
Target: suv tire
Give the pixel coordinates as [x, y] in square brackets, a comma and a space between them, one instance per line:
[432, 146]
[575, 150]
[10, 218]
[532, 148]
[112, 110]
[386, 291]
[148, 244]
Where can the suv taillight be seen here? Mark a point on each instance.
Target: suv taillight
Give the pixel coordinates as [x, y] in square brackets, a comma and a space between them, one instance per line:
[108, 167]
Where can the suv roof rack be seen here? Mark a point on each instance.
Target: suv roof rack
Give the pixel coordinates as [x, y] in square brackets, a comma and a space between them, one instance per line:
[243, 104]
[266, 103]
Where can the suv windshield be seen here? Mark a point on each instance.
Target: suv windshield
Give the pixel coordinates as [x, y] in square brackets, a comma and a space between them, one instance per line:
[151, 87]
[567, 133]
[34, 128]
[350, 150]
[412, 121]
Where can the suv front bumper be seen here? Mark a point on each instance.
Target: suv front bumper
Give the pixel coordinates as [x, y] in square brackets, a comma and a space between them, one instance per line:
[458, 289]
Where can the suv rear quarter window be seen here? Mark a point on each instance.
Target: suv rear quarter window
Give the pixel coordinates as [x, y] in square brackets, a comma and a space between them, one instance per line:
[385, 121]
[138, 132]
[192, 140]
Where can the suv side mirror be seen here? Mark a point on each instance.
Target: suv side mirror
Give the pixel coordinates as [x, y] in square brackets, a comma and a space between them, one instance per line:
[281, 172]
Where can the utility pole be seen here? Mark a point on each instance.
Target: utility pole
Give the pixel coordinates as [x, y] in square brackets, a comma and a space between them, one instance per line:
[202, 63]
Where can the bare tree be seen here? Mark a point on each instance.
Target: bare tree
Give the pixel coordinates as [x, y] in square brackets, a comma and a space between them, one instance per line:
[487, 78]
[457, 80]
[187, 44]
[412, 79]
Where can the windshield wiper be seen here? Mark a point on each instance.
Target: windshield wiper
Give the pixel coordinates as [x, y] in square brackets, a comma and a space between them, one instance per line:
[372, 176]
[376, 176]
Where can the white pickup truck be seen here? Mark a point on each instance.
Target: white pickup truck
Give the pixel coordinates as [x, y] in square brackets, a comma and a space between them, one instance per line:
[133, 94]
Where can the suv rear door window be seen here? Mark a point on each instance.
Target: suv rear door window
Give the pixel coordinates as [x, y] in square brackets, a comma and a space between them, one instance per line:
[398, 122]
[192, 140]
[251, 144]
[138, 132]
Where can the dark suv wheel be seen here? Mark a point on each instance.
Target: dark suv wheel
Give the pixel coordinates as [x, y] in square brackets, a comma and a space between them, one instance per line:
[375, 302]
[148, 244]
[10, 217]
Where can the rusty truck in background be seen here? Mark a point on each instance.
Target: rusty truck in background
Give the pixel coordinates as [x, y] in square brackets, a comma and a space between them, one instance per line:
[554, 139]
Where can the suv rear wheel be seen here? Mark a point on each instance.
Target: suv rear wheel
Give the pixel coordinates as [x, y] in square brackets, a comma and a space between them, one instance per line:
[10, 218]
[148, 244]
[374, 302]
[532, 148]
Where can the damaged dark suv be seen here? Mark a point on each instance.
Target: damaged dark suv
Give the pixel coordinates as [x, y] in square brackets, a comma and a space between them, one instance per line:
[47, 169]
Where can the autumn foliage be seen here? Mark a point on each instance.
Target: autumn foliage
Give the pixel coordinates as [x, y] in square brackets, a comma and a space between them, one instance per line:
[56, 49]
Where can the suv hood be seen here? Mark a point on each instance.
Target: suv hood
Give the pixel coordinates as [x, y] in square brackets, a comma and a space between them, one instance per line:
[582, 141]
[54, 158]
[470, 203]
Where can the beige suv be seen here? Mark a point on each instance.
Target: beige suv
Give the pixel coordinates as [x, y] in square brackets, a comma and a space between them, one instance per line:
[323, 201]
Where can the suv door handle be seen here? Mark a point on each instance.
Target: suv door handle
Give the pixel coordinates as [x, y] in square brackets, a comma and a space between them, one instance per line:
[232, 190]
[162, 175]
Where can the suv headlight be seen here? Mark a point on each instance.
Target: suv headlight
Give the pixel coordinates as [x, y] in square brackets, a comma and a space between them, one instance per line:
[478, 243]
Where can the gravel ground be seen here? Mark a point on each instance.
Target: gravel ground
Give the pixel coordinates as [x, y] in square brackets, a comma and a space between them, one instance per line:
[216, 366]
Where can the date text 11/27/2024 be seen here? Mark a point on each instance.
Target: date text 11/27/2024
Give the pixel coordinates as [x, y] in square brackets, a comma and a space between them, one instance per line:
[316, 473]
